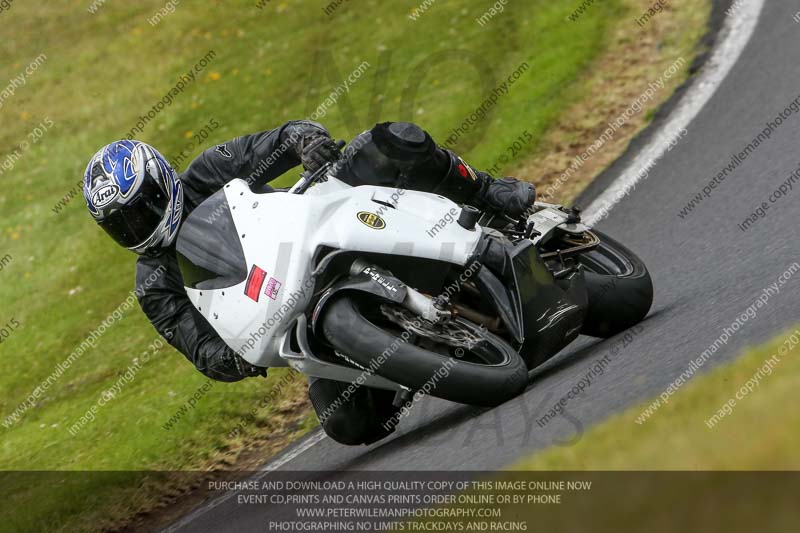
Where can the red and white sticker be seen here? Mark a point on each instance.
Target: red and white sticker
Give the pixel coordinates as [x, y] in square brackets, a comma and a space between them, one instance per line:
[273, 286]
[254, 282]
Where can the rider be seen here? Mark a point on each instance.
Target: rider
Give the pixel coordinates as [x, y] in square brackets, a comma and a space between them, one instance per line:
[139, 200]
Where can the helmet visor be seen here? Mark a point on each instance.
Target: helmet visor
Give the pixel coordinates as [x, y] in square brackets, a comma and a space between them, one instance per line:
[134, 223]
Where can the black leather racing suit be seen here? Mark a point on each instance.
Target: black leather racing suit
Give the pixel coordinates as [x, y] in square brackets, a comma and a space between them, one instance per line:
[257, 158]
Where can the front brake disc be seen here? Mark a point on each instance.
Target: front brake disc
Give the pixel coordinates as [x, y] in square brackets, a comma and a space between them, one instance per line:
[452, 332]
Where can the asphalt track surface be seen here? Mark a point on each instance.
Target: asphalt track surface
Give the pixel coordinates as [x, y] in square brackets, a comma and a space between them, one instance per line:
[706, 272]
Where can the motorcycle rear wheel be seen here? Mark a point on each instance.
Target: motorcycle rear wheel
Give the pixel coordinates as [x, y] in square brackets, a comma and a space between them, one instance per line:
[486, 374]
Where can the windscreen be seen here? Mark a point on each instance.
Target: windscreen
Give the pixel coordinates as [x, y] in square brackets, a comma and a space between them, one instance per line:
[209, 251]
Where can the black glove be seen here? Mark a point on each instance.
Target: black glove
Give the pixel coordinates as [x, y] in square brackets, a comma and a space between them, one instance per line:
[507, 196]
[318, 150]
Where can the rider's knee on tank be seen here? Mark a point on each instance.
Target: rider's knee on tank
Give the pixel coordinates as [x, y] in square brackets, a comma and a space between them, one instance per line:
[352, 415]
[394, 154]
[402, 154]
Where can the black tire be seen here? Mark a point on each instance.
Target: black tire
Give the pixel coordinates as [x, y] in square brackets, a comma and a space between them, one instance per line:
[346, 327]
[619, 288]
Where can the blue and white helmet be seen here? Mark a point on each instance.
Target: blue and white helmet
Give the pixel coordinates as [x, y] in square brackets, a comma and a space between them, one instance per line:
[134, 195]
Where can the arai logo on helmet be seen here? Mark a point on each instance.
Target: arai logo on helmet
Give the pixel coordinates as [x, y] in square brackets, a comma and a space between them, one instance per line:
[105, 195]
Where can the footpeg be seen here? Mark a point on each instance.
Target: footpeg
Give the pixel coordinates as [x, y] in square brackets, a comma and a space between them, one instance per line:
[402, 397]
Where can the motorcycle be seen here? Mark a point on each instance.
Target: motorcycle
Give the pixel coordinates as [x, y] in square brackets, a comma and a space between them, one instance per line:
[403, 290]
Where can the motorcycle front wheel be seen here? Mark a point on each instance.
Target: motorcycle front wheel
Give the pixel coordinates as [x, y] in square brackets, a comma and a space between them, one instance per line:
[484, 372]
[619, 288]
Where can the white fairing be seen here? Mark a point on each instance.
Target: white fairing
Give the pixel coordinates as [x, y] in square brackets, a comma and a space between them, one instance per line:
[280, 232]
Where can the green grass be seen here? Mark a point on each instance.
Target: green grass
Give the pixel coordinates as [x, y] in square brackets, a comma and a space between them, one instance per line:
[757, 431]
[105, 70]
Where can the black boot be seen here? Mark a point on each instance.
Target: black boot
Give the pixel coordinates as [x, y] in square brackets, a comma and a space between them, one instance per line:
[352, 414]
[465, 185]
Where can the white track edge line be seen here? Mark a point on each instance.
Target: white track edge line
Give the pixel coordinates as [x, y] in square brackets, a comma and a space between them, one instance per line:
[736, 33]
[298, 450]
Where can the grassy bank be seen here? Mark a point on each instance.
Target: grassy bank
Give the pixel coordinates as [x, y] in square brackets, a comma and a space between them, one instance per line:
[241, 67]
[637, 58]
[734, 418]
